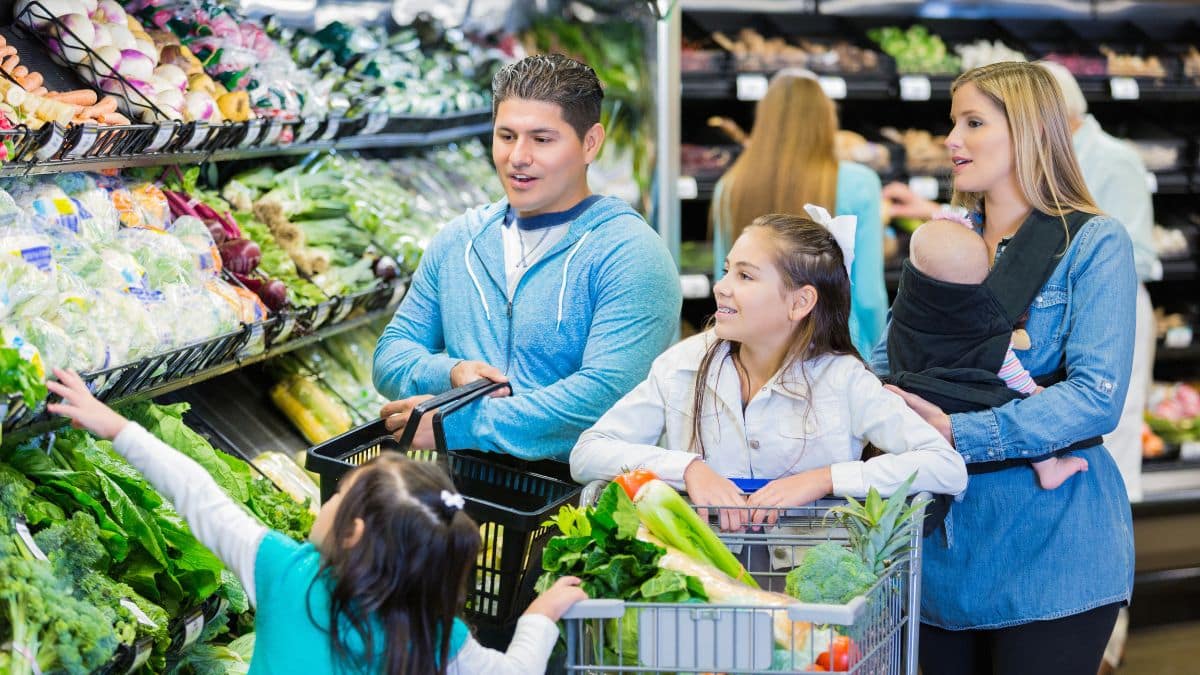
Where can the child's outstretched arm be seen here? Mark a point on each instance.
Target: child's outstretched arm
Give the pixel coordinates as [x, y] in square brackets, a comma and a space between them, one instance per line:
[216, 520]
[532, 641]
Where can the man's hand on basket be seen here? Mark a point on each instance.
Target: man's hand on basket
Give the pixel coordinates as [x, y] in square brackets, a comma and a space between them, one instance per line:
[557, 599]
[396, 414]
[798, 490]
[466, 372]
[707, 487]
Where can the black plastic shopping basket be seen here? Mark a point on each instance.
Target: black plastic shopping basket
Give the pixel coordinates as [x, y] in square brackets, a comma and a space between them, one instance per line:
[508, 497]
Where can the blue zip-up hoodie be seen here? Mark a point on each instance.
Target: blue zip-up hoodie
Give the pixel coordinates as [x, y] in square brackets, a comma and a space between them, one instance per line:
[581, 330]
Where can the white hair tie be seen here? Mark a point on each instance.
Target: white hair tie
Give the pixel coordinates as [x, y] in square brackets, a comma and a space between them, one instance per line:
[842, 228]
[453, 500]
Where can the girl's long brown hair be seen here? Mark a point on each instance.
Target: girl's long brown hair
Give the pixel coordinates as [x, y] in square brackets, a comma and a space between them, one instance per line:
[405, 580]
[806, 254]
[789, 160]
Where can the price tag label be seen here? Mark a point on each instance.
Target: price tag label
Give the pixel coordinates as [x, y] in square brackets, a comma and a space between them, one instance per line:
[915, 88]
[141, 656]
[834, 87]
[376, 121]
[751, 87]
[1189, 450]
[274, 127]
[695, 285]
[322, 313]
[27, 537]
[289, 325]
[138, 613]
[253, 130]
[162, 136]
[52, 144]
[687, 187]
[1124, 89]
[199, 135]
[307, 129]
[343, 310]
[87, 138]
[925, 187]
[192, 628]
[397, 294]
[1178, 337]
[1151, 182]
[331, 128]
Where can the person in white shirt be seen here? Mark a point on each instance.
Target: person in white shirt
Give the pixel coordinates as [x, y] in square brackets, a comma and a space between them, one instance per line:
[774, 390]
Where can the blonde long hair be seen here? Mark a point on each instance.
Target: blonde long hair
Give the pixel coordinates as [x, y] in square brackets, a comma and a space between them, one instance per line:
[789, 160]
[1047, 171]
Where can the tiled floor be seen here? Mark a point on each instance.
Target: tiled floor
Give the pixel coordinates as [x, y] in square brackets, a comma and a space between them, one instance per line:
[1167, 650]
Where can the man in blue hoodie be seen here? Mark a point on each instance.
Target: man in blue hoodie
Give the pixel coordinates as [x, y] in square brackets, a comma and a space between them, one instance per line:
[566, 295]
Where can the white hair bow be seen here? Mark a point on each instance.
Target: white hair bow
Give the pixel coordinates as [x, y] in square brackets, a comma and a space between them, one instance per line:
[842, 228]
[453, 500]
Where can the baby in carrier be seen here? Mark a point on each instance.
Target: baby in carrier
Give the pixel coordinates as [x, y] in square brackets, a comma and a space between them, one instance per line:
[943, 324]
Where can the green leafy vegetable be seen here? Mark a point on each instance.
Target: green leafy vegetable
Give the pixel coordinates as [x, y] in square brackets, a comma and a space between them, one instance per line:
[829, 574]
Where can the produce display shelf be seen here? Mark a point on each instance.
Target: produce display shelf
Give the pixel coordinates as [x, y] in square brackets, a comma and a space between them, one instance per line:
[1179, 270]
[49, 423]
[398, 132]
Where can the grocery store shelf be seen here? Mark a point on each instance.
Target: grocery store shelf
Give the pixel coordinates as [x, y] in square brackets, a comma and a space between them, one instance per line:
[1177, 354]
[1179, 270]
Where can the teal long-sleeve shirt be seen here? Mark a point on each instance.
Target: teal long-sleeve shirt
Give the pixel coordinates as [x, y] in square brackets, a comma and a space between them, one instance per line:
[858, 194]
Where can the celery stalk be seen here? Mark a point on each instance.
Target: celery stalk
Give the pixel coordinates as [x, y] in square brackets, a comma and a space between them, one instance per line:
[671, 519]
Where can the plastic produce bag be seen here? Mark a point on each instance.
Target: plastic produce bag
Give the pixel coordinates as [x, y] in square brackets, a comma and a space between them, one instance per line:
[164, 257]
[25, 291]
[96, 200]
[196, 238]
[289, 477]
[196, 314]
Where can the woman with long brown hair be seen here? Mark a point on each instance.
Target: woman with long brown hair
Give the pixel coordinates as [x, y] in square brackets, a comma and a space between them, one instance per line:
[789, 161]
[1021, 579]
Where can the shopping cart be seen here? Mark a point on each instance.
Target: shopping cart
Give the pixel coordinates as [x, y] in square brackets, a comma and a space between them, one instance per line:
[610, 636]
[509, 498]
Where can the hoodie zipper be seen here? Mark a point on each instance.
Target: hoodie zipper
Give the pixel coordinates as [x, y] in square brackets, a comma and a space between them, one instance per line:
[509, 308]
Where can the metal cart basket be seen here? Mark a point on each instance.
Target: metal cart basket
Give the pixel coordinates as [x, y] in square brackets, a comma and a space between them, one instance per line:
[613, 636]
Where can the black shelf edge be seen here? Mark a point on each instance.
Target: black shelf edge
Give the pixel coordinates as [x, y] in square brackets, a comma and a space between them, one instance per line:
[1183, 269]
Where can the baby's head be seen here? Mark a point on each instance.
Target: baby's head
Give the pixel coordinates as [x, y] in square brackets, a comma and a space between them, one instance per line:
[949, 251]
[398, 549]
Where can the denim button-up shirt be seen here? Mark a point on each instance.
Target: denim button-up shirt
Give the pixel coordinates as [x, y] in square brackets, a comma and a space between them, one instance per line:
[1011, 552]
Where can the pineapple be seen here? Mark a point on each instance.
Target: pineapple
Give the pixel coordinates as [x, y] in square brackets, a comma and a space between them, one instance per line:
[879, 530]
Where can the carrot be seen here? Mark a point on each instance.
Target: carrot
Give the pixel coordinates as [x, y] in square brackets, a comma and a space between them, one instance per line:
[31, 81]
[113, 118]
[8, 52]
[108, 104]
[20, 72]
[10, 63]
[39, 91]
[80, 97]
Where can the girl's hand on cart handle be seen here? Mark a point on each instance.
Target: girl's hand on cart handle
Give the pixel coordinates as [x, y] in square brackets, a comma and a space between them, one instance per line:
[798, 490]
[707, 487]
[81, 407]
[558, 598]
[466, 372]
[929, 412]
[396, 414]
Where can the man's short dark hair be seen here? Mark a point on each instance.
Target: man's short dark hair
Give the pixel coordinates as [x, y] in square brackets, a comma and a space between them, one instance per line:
[553, 78]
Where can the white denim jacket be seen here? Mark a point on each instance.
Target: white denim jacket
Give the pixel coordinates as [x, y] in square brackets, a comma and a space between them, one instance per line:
[820, 417]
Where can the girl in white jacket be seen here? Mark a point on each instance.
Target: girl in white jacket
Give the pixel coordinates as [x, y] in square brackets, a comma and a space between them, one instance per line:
[775, 390]
[377, 590]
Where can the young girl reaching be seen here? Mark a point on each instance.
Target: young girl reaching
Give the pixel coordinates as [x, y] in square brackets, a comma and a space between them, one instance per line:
[775, 390]
[377, 590]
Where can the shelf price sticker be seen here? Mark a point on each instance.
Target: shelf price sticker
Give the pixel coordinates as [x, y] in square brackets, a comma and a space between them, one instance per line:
[52, 144]
[751, 87]
[915, 88]
[23, 532]
[199, 135]
[192, 629]
[142, 654]
[1151, 182]
[253, 129]
[331, 127]
[138, 613]
[1178, 337]
[694, 285]
[376, 121]
[925, 187]
[687, 187]
[834, 87]
[1189, 450]
[162, 136]
[1124, 89]
[397, 294]
[87, 139]
[307, 129]
[274, 128]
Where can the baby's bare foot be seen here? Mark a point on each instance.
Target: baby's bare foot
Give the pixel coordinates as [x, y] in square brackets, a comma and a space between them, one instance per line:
[1055, 471]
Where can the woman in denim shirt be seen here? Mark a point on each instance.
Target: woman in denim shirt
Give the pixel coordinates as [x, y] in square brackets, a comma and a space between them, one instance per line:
[1021, 579]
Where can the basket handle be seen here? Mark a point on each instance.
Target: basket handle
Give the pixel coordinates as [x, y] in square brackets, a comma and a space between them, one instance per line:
[445, 403]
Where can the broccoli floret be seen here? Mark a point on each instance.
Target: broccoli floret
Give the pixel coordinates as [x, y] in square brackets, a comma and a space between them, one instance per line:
[829, 574]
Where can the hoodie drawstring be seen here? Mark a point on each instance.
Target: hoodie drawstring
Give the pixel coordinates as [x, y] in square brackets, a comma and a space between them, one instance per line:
[563, 289]
[479, 287]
